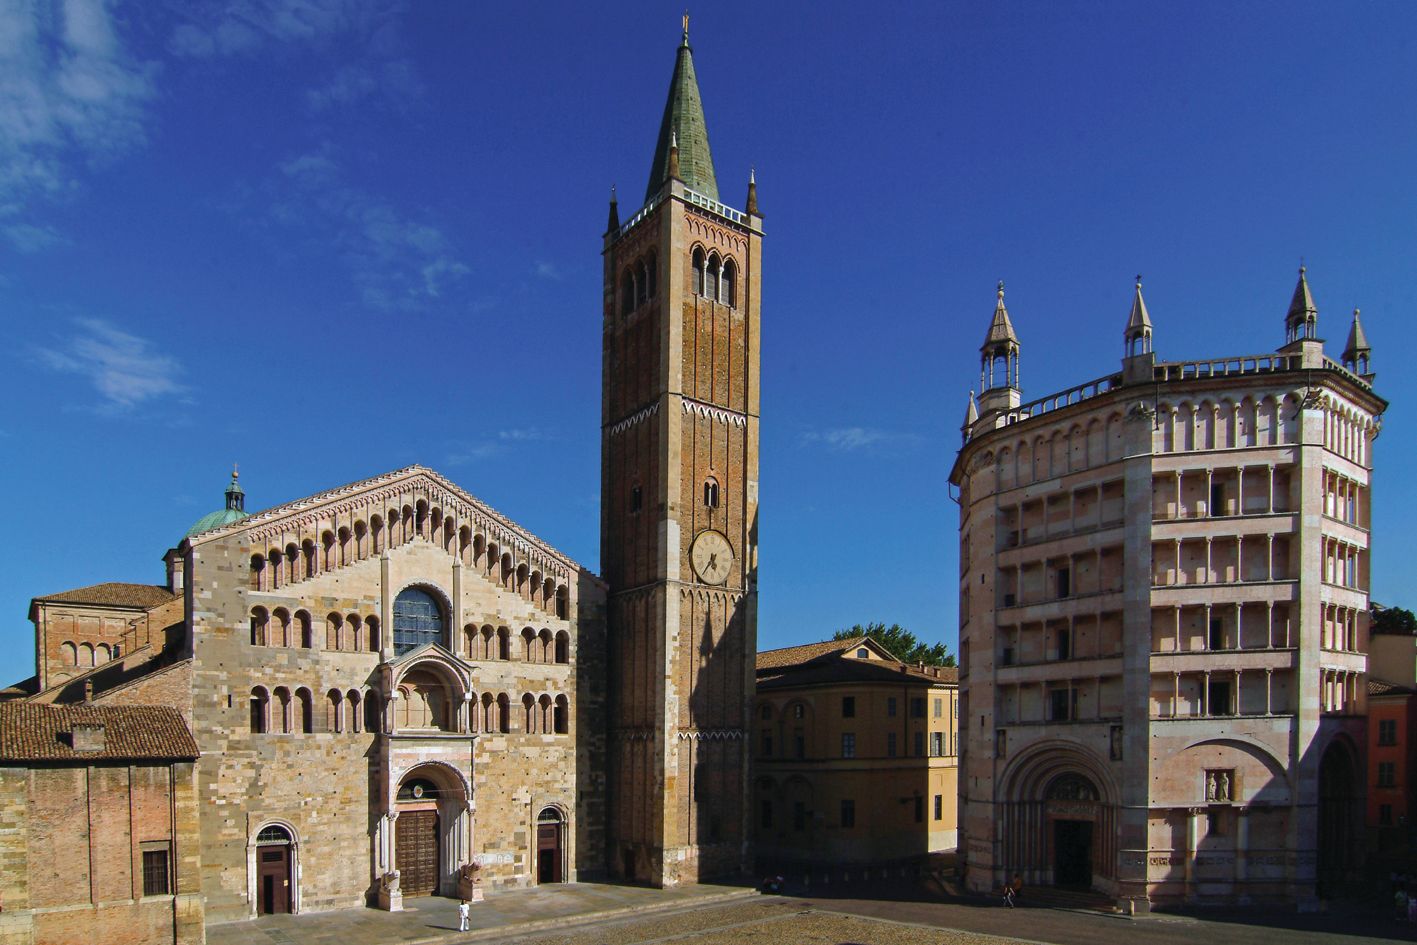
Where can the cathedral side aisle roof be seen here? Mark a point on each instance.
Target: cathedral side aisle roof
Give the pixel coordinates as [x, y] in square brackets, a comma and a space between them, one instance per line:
[35, 732]
[113, 594]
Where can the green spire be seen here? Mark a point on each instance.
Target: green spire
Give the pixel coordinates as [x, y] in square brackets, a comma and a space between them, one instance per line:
[684, 120]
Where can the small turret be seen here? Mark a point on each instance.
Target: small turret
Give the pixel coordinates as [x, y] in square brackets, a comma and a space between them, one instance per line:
[752, 205]
[1357, 353]
[1139, 360]
[999, 362]
[613, 223]
[1302, 321]
[971, 416]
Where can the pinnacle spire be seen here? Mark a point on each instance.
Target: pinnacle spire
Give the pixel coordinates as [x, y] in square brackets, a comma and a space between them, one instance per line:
[1357, 353]
[1137, 334]
[612, 222]
[683, 122]
[1001, 329]
[1302, 320]
[971, 413]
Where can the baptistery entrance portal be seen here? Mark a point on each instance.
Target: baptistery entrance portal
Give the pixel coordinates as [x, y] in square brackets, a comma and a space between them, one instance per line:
[1071, 806]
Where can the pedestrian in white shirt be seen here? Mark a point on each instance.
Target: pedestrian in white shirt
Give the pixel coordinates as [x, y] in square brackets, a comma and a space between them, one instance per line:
[462, 915]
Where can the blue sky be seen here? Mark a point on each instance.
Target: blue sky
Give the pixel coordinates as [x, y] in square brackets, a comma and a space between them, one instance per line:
[328, 239]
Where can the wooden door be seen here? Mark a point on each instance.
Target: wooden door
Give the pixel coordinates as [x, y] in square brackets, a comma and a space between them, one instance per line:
[416, 840]
[548, 853]
[272, 880]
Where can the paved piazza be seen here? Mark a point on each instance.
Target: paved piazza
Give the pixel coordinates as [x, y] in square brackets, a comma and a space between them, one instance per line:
[603, 914]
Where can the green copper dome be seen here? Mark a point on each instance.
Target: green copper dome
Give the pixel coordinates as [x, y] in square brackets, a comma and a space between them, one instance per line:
[235, 510]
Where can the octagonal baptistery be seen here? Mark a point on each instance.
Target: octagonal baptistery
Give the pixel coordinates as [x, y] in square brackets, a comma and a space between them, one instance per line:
[390, 682]
[1163, 591]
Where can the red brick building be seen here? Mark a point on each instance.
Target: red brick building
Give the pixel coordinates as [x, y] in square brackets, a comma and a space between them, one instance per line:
[98, 826]
[1392, 768]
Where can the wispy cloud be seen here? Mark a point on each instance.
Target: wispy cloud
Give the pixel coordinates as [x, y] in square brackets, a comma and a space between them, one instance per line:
[465, 453]
[398, 262]
[127, 371]
[547, 270]
[243, 27]
[240, 28]
[70, 94]
[850, 439]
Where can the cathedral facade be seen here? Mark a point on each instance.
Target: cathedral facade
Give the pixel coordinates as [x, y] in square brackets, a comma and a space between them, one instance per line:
[1163, 601]
[395, 690]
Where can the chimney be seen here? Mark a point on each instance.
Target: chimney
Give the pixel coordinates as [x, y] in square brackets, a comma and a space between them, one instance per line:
[88, 737]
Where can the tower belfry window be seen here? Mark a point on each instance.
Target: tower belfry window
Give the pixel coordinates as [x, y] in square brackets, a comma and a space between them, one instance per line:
[627, 293]
[711, 493]
[728, 289]
[698, 272]
[711, 281]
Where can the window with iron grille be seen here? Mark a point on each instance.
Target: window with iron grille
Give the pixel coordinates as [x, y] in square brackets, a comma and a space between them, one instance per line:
[848, 813]
[155, 873]
[1387, 732]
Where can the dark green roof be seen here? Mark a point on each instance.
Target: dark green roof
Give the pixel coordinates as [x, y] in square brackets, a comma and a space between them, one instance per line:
[235, 510]
[684, 122]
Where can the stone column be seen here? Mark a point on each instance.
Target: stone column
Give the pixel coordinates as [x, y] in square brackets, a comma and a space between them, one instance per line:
[455, 632]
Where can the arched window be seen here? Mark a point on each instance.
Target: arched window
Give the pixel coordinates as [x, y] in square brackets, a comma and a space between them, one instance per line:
[711, 278]
[282, 721]
[371, 713]
[563, 716]
[698, 272]
[711, 493]
[642, 285]
[307, 710]
[529, 714]
[334, 722]
[504, 643]
[101, 654]
[258, 572]
[489, 713]
[303, 632]
[327, 540]
[260, 702]
[651, 275]
[627, 293]
[418, 620]
[728, 292]
[334, 629]
[260, 623]
[311, 558]
[356, 632]
[86, 655]
[563, 647]
[356, 718]
[68, 654]
[292, 563]
[371, 631]
[282, 627]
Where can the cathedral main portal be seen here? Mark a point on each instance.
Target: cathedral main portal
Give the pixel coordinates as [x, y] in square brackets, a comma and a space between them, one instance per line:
[416, 851]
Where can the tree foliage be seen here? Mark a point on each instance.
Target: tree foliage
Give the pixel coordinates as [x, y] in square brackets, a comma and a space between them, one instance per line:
[901, 643]
[1392, 620]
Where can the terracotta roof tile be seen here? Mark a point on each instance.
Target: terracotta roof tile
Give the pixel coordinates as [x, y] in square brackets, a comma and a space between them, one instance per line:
[113, 594]
[1379, 687]
[852, 670]
[796, 655]
[36, 732]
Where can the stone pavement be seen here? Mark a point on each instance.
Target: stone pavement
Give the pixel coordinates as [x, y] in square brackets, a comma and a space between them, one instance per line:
[433, 919]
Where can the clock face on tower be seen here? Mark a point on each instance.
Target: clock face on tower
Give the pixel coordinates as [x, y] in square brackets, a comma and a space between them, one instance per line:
[712, 557]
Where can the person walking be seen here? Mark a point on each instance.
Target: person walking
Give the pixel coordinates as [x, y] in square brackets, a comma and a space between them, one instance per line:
[463, 908]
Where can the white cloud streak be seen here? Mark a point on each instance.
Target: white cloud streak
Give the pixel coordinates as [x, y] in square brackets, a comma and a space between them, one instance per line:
[853, 439]
[398, 263]
[126, 370]
[70, 94]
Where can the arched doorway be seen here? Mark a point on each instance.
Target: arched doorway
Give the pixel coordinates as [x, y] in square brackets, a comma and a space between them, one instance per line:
[417, 840]
[1071, 806]
[275, 871]
[1339, 826]
[550, 831]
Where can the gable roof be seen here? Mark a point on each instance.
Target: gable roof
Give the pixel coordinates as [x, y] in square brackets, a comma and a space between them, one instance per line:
[797, 655]
[1381, 687]
[476, 509]
[37, 732]
[113, 594]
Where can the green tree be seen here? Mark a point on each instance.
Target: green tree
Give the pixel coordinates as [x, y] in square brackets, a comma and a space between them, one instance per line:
[900, 643]
[1392, 620]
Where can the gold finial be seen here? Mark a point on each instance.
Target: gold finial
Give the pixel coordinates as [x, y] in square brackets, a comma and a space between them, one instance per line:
[1001, 288]
[686, 22]
[1138, 280]
[235, 474]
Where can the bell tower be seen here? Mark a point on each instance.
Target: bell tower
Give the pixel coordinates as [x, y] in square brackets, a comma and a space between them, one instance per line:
[679, 507]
